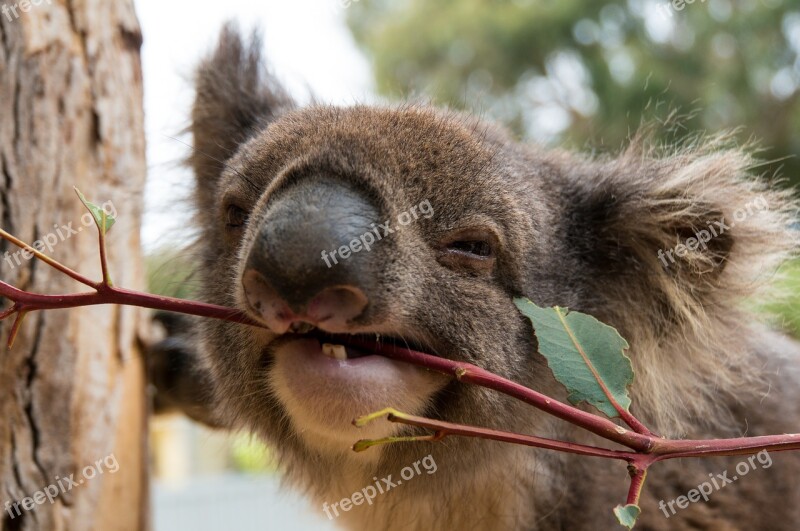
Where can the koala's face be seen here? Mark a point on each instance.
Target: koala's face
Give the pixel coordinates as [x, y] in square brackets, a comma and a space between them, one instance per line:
[404, 226]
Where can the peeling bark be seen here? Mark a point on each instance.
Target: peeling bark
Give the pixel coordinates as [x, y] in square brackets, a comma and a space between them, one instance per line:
[72, 388]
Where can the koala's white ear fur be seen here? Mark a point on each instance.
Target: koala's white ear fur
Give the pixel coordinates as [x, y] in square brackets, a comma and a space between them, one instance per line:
[746, 228]
[681, 306]
[235, 96]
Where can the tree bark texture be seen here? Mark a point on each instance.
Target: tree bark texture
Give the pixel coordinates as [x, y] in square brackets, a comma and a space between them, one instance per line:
[72, 389]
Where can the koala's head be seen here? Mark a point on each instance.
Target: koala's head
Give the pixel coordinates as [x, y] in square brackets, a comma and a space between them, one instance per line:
[341, 227]
[402, 225]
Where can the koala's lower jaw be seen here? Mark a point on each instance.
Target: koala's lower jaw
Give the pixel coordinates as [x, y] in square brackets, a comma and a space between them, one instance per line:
[323, 395]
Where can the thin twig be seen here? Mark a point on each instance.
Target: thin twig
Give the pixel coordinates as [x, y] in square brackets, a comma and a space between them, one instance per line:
[103, 260]
[638, 476]
[49, 261]
[444, 429]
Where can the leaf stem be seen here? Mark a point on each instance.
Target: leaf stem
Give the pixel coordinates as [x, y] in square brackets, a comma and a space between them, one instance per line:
[623, 413]
[638, 477]
[444, 429]
[103, 260]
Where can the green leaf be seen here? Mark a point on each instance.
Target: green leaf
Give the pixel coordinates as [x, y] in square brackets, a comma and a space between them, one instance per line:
[584, 355]
[627, 515]
[103, 220]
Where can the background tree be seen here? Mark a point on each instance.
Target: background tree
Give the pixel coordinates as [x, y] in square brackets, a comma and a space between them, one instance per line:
[588, 72]
[72, 389]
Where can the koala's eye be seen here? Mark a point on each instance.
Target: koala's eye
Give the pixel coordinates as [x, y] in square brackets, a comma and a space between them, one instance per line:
[235, 216]
[472, 249]
[478, 248]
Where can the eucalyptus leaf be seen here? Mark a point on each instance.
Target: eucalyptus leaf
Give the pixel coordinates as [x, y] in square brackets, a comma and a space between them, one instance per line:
[102, 219]
[584, 355]
[627, 515]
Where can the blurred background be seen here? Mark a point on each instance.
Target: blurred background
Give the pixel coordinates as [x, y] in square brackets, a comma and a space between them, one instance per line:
[581, 74]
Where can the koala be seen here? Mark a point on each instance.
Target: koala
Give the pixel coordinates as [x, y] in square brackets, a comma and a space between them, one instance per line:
[416, 226]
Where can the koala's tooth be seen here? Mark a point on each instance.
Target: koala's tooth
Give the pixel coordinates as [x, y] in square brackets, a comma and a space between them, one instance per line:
[334, 351]
[327, 349]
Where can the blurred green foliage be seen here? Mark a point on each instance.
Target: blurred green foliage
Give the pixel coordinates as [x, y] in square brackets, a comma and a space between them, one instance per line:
[169, 273]
[587, 73]
[786, 312]
[251, 455]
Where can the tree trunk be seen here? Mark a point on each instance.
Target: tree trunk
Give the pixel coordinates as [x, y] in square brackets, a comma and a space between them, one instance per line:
[72, 389]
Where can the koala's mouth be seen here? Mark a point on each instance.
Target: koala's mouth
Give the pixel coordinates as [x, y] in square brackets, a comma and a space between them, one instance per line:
[354, 346]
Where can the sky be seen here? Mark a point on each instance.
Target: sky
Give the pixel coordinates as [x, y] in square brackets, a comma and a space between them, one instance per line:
[309, 48]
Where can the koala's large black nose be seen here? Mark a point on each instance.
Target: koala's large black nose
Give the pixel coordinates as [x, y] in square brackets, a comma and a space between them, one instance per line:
[290, 275]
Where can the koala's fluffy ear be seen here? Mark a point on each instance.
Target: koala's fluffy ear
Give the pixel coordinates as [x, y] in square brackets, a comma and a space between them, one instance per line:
[690, 230]
[235, 96]
[636, 221]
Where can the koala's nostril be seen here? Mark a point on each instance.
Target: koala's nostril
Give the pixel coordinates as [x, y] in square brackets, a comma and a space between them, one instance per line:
[332, 309]
[266, 302]
[335, 307]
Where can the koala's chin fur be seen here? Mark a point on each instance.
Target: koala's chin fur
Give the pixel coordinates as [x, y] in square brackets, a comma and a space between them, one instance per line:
[564, 229]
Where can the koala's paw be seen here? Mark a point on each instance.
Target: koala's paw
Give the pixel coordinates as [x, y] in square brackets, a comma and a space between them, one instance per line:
[178, 380]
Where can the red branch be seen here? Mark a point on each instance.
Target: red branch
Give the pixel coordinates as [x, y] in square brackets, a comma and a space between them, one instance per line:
[468, 373]
[660, 449]
[652, 445]
[27, 302]
[646, 447]
[105, 293]
[443, 429]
